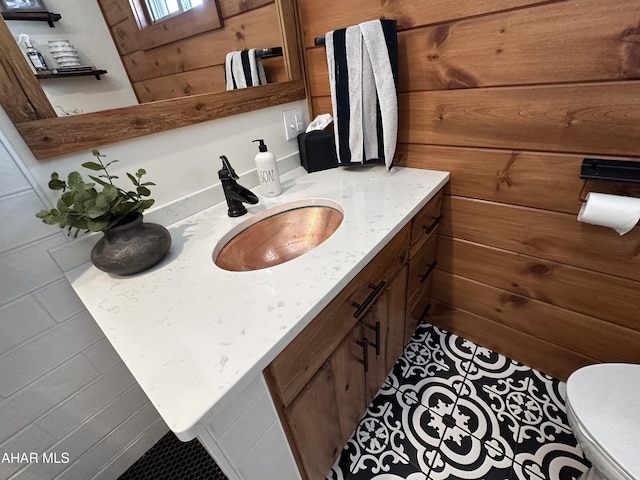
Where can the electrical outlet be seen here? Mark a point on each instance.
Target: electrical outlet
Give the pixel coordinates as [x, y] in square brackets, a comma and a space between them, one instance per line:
[293, 123]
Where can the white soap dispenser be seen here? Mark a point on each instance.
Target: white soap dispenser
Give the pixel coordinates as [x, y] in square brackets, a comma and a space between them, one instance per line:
[267, 169]
[35, 57]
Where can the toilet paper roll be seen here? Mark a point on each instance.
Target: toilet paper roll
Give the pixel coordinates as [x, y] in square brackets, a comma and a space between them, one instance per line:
[613, 211]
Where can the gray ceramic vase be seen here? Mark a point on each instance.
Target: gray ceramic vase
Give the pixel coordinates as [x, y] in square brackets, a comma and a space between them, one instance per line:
[131, 247]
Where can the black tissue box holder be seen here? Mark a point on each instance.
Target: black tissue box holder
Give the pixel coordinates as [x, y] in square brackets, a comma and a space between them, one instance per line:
[317, 150]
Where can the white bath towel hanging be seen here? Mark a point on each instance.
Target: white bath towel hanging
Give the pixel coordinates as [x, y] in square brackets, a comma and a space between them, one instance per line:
[362, 63]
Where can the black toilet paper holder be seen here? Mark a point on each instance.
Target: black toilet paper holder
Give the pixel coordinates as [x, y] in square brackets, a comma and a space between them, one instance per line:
[623, 171]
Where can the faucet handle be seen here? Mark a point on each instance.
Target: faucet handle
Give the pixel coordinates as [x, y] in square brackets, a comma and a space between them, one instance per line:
[227, 170]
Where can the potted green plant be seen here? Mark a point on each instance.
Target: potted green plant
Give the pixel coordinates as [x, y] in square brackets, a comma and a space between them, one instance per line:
[129, 245]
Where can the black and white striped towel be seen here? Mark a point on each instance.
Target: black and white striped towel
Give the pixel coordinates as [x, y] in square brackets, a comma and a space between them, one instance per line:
[244, 69]
[363, 74]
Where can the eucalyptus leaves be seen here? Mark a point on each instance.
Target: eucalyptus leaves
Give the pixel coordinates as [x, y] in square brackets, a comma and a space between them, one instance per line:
[82, 207]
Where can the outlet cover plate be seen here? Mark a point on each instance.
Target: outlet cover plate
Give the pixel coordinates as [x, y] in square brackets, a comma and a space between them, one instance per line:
[293, 123]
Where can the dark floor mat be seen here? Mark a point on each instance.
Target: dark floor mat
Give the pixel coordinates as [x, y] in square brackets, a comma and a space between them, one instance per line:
[171, 459]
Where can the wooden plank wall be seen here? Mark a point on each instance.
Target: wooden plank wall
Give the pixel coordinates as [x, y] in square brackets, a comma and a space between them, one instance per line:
[194, 64]
[510, 96]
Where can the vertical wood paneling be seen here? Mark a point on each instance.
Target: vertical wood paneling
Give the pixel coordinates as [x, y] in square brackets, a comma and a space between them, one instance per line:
[587, 335]
[576, 289]
[318, 17]
[592, 118]
[498, 50]
[510, 97]
[513, 48]
[513, 177]
[549, 235]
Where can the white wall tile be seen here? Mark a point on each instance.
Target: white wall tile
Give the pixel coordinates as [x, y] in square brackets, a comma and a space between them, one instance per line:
[21, 320]
[28, 268]
[78, 253]
[118, 440]
[270, 459]
[31, 439]
[33, 359]
[12, 179]
[40, 312]
[76, 409]
[60, 300]
[132, 452]
[19, 222]
[91, 432]
[102, 356]
[20, 410]
[228, 413]
[257, 419]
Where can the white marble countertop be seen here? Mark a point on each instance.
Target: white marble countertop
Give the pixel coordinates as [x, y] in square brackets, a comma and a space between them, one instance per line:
[192, 333]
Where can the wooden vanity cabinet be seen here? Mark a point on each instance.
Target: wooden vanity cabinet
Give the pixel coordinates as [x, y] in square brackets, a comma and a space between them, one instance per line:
[322, 417]
[383, 328]
[324, 414]
[324, 379]
[422, 262]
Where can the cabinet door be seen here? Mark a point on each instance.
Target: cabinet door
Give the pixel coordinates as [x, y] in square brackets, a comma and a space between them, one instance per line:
[421, 267]
[325, 413]
[384, 325]
[424, 225]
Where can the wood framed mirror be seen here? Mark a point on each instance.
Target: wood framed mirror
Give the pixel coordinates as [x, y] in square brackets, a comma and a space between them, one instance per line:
[49, 135]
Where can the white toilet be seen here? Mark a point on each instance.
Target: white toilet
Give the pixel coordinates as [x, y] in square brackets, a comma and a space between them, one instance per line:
[603, 407]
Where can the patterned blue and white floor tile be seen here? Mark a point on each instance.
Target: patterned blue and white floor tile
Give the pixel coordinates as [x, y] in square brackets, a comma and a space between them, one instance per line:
[453, 410]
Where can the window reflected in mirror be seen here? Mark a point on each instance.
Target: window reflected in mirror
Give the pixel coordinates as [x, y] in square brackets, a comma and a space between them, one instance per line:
[161, 9]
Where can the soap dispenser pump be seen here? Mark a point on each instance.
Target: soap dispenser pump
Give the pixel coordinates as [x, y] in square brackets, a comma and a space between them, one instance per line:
[267, 169]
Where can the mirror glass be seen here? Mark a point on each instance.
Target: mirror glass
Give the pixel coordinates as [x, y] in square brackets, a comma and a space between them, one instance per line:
[183, 55]
[117, 118]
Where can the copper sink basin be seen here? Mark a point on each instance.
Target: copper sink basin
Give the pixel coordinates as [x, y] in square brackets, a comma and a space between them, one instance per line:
[278, 235]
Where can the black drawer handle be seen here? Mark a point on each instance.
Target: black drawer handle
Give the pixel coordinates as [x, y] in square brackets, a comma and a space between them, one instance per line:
[365, 353]
[428, 272]
[434, 224]
[376, 290]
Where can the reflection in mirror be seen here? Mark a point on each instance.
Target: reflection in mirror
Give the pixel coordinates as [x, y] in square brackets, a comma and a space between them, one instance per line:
[85, 30]
[180, 56]
[48, 136]
[185, 55]
[161, 9]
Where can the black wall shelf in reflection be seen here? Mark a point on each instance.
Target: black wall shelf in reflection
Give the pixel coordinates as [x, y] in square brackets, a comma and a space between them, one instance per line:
[48, 17]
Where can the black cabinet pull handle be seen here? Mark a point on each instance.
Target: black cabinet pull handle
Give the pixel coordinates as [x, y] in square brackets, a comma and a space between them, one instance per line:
[434, 224]
[362, 307]
[376, 328]
[365, 353]
[428, 272]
